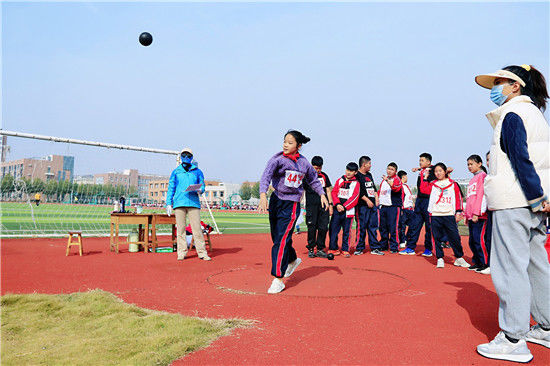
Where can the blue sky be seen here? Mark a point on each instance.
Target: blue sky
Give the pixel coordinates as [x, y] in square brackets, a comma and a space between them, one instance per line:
[389, 80]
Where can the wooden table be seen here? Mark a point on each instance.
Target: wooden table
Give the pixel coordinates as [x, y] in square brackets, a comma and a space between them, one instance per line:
[145, 221]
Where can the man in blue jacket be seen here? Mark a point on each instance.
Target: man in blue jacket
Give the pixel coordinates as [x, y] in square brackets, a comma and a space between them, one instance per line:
[186, 203]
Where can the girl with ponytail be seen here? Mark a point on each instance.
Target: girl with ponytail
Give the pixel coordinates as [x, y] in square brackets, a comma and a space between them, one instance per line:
[286, 171]
[516, 190]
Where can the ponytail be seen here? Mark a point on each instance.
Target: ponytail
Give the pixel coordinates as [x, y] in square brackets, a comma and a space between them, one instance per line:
[535, 84]
[298, 136]
[477, 159]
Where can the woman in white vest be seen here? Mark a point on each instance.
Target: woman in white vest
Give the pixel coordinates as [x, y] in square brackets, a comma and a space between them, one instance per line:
[516, 189]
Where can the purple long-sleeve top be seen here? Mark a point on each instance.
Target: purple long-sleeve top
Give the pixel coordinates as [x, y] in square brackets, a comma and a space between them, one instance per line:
[286, 176]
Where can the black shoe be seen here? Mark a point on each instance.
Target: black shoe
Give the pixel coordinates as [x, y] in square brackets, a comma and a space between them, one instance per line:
[445, 244]
[376, 252]
[358, 252]
[393, 251]
[321, 254]
[473, 267]
[311, 253]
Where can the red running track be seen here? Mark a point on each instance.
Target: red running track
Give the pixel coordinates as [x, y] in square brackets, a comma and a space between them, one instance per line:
[361, 310]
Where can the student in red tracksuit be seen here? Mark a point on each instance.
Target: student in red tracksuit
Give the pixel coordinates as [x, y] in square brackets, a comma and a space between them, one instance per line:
[390, 197]
[345, 196]
[445, 208]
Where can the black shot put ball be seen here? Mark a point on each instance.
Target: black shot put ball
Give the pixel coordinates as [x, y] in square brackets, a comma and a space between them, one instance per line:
[145, 39]
[330, 256]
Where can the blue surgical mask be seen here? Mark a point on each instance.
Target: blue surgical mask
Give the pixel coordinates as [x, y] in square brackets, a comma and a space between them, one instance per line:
[496, 95]
[186, 159]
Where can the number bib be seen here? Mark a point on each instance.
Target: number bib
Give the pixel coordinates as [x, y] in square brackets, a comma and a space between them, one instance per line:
[472, 189]
[446, 202]
[370, 192]
[293, 178]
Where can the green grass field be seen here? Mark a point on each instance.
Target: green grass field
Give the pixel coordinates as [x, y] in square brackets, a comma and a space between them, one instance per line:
[22, 219]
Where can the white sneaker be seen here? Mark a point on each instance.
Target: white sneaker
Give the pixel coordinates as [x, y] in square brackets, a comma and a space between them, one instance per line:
[485, 271]
[292, 266]
[501, 348]
[440, 263]
[460, 262]
[180, 258]
[276, 286]
[206, 258]
[538, 335]
[402, 245]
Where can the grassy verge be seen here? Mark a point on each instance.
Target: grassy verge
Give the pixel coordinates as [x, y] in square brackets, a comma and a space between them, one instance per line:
[97, 328]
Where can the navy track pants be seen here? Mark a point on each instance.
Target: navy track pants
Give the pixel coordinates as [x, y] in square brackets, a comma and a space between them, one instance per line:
[317, 219]
[478, 242]
[366, 220]
[389, 227]
[406, 218]
[442, 225]
[282, 219]
[338, 222]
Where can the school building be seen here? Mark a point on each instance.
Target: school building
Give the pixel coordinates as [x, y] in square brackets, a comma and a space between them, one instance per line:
[51, 167]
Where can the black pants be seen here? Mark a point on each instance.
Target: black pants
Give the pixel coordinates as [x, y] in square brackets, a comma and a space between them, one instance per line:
[406, 218]
[442, 225]
[317, 226]
[419, 218]
[282, 218]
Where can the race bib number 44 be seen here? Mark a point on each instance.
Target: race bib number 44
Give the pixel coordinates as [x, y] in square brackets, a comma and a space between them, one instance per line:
[293, 178]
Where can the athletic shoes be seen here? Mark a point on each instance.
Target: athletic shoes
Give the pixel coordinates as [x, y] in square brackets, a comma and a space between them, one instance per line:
[403, 245]
[181, 258]
[292, 266]
[444, 244]
[377, 252]
[276, 286]
[473, 267]
[393, 251]
[538, 335]
[345, 254]
[311, 253]
[501, 348]
[427, 253]
[206, 258]
[358, 252]
[460, 262]
[486, 270]
[321, 254]
[440, 263]
[334, 252]
[407, 251]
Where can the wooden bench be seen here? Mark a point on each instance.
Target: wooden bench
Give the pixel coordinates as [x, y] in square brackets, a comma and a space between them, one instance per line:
[78, 243]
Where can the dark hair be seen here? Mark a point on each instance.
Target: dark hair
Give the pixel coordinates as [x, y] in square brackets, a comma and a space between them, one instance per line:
[298, 136]
[401, 173]
[393, 165]
[476, 158]
[352, 166]
[363, 160]
[442, 166]
[535, 84]
[317, 161]
[427, 156]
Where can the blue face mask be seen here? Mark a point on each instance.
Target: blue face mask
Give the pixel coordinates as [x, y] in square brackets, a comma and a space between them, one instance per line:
[496, 95]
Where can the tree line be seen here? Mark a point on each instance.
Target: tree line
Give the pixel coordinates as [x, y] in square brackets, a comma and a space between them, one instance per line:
[57, 191]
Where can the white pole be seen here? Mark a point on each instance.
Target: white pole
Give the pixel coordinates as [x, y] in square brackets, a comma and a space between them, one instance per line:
[211, 215]
[83, 142]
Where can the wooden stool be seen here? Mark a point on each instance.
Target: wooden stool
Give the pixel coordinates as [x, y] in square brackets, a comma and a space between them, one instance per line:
[70, 242]
[207, 242]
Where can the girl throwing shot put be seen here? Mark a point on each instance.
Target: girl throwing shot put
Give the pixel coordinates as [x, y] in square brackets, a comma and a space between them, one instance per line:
[286, 171]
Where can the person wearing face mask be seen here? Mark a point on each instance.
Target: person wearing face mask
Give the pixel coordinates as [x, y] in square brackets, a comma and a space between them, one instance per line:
[186, 203]
[516, 190]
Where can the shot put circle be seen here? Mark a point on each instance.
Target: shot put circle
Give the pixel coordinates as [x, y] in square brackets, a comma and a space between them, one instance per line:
[315, 281]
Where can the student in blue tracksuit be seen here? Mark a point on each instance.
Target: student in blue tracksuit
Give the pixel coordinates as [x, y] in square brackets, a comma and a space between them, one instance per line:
[186, 203]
